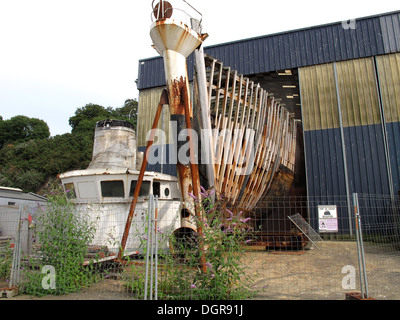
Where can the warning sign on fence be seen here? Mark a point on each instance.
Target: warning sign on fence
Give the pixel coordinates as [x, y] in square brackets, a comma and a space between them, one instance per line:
[327, 219]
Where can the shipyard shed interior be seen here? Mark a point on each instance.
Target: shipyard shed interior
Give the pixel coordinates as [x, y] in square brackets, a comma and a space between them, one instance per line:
[342, 82]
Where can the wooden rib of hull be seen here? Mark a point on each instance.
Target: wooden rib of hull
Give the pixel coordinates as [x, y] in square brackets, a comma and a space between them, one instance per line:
[247, 120]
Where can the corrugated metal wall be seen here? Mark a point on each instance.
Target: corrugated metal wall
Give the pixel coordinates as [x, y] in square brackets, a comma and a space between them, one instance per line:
[148, 103]
[362, 127]
[389, 82]
[322, 137]
[350, 90]
[351, 126]
[305, 47]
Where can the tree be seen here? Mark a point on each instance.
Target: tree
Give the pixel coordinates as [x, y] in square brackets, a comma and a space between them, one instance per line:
[29, 156]
[128, 112]
[88, 112]
[30, 164]
[85, 118]
[21, 128]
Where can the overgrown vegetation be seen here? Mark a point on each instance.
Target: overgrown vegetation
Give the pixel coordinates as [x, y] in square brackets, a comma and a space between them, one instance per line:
[6, 253]
[30, 158]
[62, 237]
[181, 273]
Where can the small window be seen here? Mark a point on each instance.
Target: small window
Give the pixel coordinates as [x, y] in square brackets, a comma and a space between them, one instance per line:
[156, 189]
[112, 189]
[87, 190]
[12, 203]
[144, 188]
[70, 190]
[166, 192]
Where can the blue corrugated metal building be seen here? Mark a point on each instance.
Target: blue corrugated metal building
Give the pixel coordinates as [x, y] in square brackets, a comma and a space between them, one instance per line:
[293, 49]
[343, 81]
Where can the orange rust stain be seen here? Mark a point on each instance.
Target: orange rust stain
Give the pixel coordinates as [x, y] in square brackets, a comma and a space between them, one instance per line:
[183, 171]
[176, 96]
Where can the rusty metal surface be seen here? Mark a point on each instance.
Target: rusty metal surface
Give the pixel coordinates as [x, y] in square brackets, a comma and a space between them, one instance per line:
[162, 10]
[179, 107]
[175, 41]
[272, 241]
[356, 296]
[169, 34]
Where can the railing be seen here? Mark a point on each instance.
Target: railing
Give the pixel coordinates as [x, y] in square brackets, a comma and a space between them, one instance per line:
[179, 10]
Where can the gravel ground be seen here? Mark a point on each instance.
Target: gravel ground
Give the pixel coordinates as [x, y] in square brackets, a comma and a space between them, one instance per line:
[314, 274]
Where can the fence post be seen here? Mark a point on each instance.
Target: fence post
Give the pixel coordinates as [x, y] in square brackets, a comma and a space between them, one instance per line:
[156, 247]
[149, 227]
[151, 250]
[360, 249]
[151, 247]
[16, 262]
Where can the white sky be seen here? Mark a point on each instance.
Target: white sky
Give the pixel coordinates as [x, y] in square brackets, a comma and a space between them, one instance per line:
[59, 55]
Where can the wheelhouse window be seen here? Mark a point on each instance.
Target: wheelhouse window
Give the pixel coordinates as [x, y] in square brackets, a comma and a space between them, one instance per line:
[70, 190]
[144, 189]
[156, 189]
[112, 189]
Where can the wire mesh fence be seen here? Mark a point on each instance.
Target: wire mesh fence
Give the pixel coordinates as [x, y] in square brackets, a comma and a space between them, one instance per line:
[288, 248]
